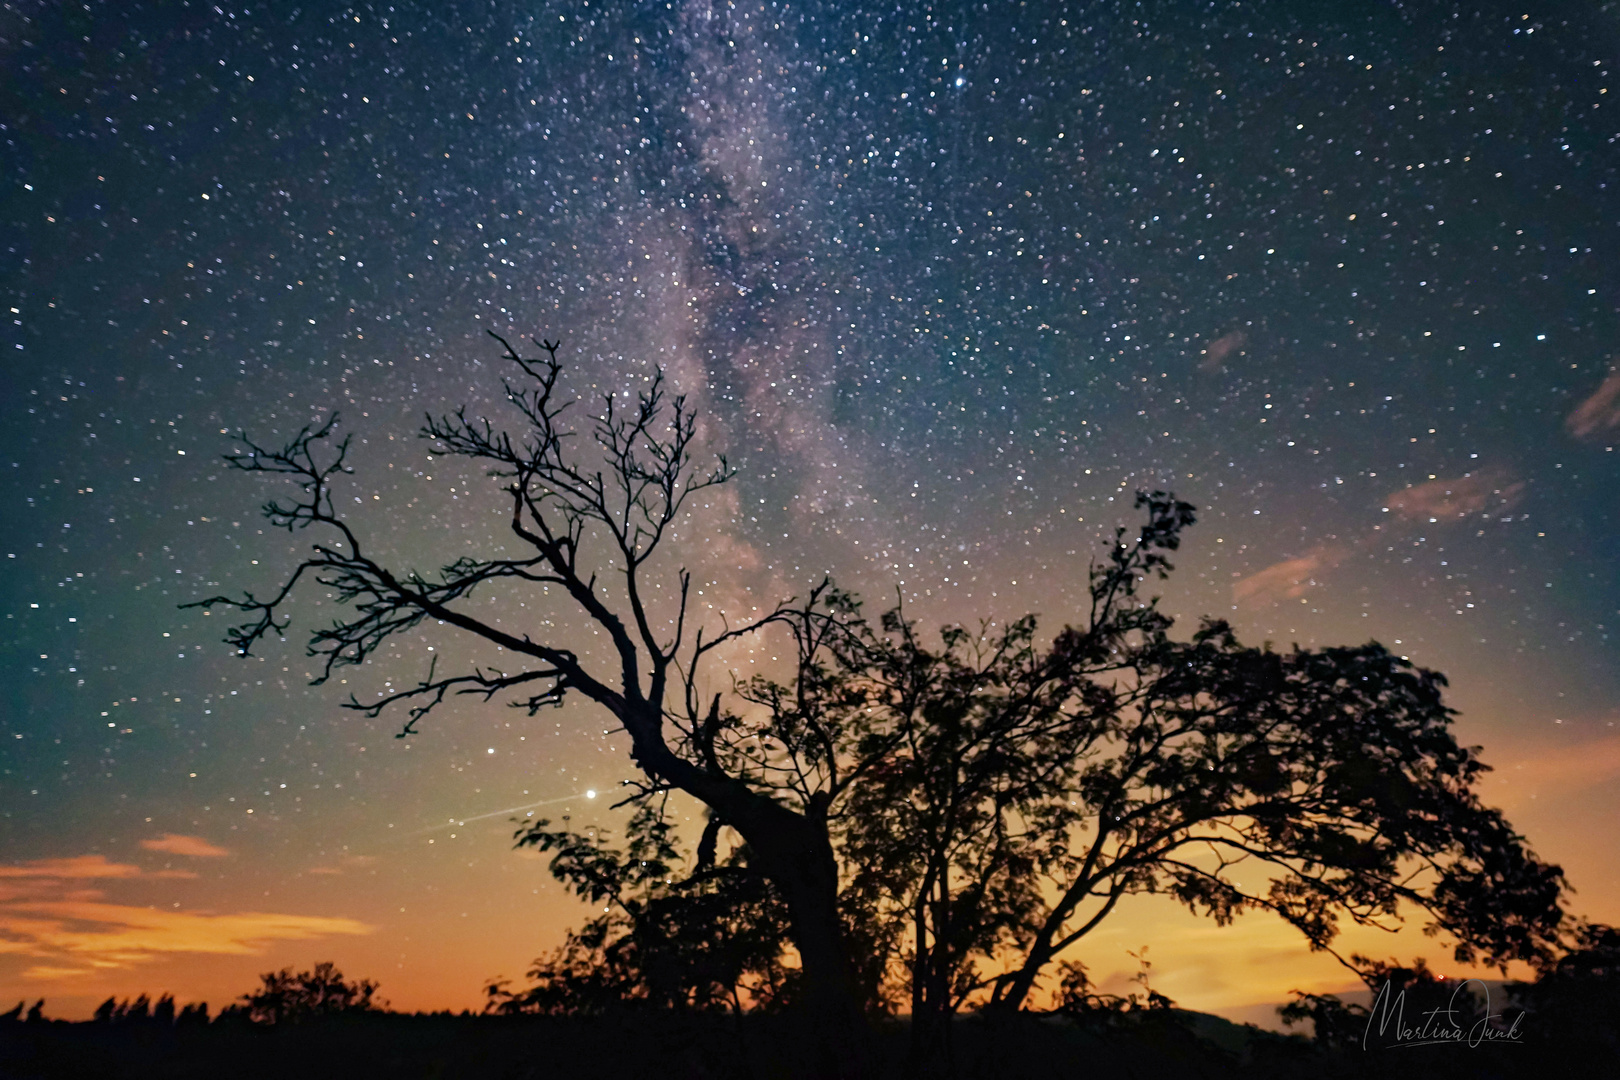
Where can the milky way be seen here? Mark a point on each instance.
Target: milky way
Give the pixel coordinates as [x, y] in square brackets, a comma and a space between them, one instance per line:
[946, 283]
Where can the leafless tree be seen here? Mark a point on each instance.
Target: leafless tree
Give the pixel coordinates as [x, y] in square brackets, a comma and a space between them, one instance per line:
[579, 518]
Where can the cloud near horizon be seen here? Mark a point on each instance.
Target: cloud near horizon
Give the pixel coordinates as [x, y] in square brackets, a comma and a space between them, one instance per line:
[47, 914]
[194, 846]
[79, 867]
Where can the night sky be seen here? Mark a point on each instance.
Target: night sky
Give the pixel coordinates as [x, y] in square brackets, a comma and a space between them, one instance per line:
[946, 282]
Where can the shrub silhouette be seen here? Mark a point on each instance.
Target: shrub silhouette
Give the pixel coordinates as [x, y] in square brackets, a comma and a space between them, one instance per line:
[288, 998]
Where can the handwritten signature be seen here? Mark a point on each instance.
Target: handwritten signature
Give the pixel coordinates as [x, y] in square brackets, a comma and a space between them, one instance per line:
[1462, 1022]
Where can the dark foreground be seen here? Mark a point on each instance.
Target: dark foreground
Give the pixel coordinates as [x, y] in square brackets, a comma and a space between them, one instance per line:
[469, 1047]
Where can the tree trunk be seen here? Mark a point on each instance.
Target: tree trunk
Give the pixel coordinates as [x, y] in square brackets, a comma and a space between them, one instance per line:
[931, 1015]
[794, 851]
[832, 1002]
[919, 973]
[796, 854]
[1022, 982]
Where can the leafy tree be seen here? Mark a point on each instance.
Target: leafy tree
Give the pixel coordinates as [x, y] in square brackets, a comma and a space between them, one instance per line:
[711, 940]
[36, 1013]
[993, 801]
[1335, 1024]
[136, 1010]
[1078, 996]
[995, 776]
[163, 1010]
[284, 997]
[142, 1008]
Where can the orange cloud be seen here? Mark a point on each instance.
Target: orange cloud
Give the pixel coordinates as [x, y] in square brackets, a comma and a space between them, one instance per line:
[1441, 501]
[351, 861]
[47, 914]
[1216, 352]
[194, 846]
[1448, 500]
[77, 867]
[1600, 412]
[1565, 769]
[45, 876]
[1288, 580]
[78, 935]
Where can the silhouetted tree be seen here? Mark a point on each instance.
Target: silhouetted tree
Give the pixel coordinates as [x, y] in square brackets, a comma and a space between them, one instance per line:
[163, 1010]
[1332, 774]
[142, 1010]
[1335, 1024]
[710, 939]
[1078, 996]
[1402, 996]
[288, 998]
[993, 801]
[137, 1010]
[1574, 1003]
[958, 816]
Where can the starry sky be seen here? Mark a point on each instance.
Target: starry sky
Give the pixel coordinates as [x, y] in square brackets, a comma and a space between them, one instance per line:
[946, 282]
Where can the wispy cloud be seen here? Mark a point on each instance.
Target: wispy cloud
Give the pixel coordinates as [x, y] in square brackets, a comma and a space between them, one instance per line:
[84, 936]
[1289, 579]
[353, 862]
[1442, 501]
[176, 844]
[48, 874]
[79, 867]
[1600, 412]
[1216, 352]
[47, 913]
[1564, 770]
